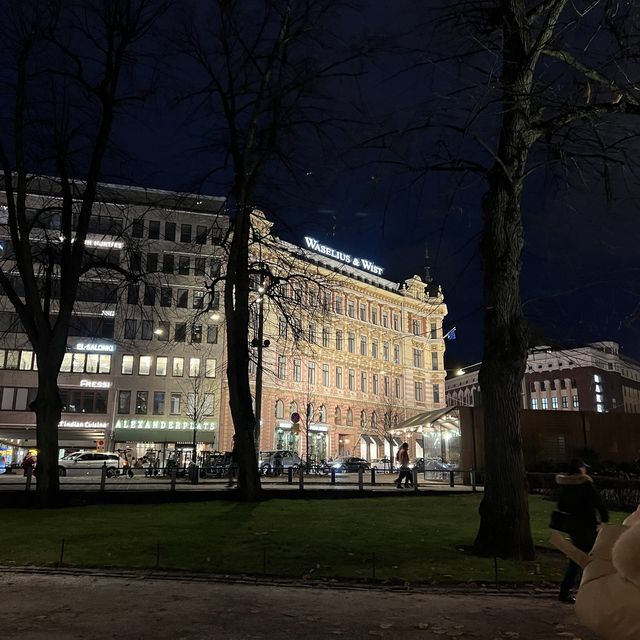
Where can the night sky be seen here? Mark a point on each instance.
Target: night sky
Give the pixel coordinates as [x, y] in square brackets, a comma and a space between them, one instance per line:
[581, 267]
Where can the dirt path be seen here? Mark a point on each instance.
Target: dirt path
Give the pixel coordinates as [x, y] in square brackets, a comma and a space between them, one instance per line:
[92, 607]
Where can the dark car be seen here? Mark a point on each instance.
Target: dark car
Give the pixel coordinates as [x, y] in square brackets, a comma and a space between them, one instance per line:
[215, 464]
[349, 464]
[431, 464]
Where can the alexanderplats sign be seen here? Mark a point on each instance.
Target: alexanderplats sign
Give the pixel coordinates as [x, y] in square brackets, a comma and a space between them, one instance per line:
[177, 425]
[347, 258]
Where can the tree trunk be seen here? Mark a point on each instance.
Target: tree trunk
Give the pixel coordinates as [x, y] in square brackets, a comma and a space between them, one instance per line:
[237, 322]
[48, 409]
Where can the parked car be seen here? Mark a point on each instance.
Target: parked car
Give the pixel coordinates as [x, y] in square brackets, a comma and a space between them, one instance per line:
[349, 464]
[277, 461]
[215, 464]
[431, 464]
[381, 464]
[90, 462]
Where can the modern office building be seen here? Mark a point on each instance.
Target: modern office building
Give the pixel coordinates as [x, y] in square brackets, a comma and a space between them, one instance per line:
[143, 365]
[595, 377]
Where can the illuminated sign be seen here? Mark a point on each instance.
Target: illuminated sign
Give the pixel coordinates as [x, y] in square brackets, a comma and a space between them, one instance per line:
[83, 424]
[95, 384]
[109, 313]
[103, 244]
[177, 425]
[95, 346]
[347, 258]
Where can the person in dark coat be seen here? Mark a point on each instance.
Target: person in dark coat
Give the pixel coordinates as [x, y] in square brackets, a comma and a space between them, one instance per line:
[579, 497]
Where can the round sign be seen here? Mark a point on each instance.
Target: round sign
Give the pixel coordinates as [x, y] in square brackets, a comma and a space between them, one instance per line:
[295, 417]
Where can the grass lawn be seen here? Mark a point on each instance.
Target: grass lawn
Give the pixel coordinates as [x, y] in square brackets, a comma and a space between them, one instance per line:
[412, 539]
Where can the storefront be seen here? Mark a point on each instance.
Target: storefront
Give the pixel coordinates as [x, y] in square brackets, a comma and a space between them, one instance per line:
[285, 439]
[318, 441]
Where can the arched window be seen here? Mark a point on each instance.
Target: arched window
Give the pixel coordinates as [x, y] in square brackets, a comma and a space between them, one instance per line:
[374, 421]
[338, 416]
[310, 412]
[395, 420]
[322, 413]
[279, 409]
[363, 419]
[349, 417]
[293, 407]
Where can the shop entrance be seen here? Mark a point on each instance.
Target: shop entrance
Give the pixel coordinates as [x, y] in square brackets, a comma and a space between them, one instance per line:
[286, 440]
[317, 446]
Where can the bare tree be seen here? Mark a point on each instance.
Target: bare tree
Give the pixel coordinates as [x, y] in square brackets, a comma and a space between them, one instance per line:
[63, 71]
[262, 69]
[549, 84]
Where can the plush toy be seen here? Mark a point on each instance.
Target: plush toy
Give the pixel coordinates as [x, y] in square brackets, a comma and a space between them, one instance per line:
[608, 601]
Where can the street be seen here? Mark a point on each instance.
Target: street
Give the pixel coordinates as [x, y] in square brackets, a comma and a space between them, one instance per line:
[82, 605]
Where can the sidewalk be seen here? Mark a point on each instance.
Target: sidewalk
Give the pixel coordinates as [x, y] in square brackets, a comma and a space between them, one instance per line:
[58, 606]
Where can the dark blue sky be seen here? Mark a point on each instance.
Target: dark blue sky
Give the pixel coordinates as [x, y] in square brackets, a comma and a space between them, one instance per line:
[581, 261]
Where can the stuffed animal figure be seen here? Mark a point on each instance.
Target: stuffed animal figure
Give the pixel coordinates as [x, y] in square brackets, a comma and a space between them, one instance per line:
[608, 601]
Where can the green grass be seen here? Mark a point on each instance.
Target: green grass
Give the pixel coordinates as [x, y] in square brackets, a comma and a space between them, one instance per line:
[415, 540]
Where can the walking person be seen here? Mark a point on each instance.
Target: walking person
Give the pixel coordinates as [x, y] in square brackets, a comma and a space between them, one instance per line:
[402, 458]
[578, 497]
[233, 466]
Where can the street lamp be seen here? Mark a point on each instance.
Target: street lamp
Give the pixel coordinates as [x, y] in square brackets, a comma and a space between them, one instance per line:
[259, 343]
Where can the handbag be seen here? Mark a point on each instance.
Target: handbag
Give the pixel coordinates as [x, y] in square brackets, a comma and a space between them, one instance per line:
[561, 521]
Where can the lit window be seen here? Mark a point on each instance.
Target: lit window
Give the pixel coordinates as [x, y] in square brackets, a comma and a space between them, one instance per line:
[210, 366]
[144, 367]
[127, 365]
[554, 402]
[194, 367]
[545, 403]
[534, 403]
[178, 367]
[161, 365]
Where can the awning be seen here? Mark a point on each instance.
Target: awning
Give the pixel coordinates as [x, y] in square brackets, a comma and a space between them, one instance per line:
[378, 440]
[367, 439]
[427, 419]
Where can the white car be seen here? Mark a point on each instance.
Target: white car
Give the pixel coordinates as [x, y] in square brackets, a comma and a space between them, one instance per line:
[90, 463]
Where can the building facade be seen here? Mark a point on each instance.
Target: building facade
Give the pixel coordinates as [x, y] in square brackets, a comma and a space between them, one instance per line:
[142, 369]
[595, 377]
[350, 352]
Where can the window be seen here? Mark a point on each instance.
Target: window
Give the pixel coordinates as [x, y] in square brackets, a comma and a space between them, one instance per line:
[167, 263]
[154, 229]
[214, 268]
[127, 365]
[417, 358]
[142, 399]
[26, 360]
[65, 367]
[545, 403]
[434, 360]
[374, 348]
[212, 334]
[385, 319]
[158, 403]
[363, 312]
[149, 295]
[162, 332]
[279, 409]
[436, 393]
[130, 329]
[415, 327]
[349, 417]
[210, 366]
[124, 401]
[144, 365]
[338, 340]
[352, 342]
[194, 367]
[374, 383]
[574, 402]
[532, 387]
[337, 416]
[325, 336]
[79, 360]
[137, 228]
[132, 294]
[165, 297]
[180, 334]
[312, 333]
[325, 375]
[161, 365]
[152, 262]
[282, 368]
[363, 381]
[297, 372]
[185, 233]
[396, 354]
[184, 265]
[182, 299]
[201, 235]
[196, 333]
[199, 268]
[339, 307]
[176, 401]
[311, 373]
[434, 330]
[177, 370]
[397, 387]
[419, 392]
[363, 346]
[554, 402]
[396, 322]
[147, 329]
[534, 403]
[339, 377]
[374, 315]
[352, 380]
[351, 309]
[77, 401]
[565, 402]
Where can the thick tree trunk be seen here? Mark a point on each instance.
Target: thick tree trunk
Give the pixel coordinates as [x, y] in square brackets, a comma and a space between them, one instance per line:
[237, 323]
[47, 407]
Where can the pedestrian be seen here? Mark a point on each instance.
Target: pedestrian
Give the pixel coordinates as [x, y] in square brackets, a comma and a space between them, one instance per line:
[126, 467]
[402, 458]
[28, 463]
[579, 498]
[233, 466]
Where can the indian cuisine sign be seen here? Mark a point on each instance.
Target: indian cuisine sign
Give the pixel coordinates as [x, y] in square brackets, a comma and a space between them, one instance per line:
[347, 258]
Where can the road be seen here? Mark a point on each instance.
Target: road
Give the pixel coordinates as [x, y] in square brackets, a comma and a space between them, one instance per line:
[59, 606]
